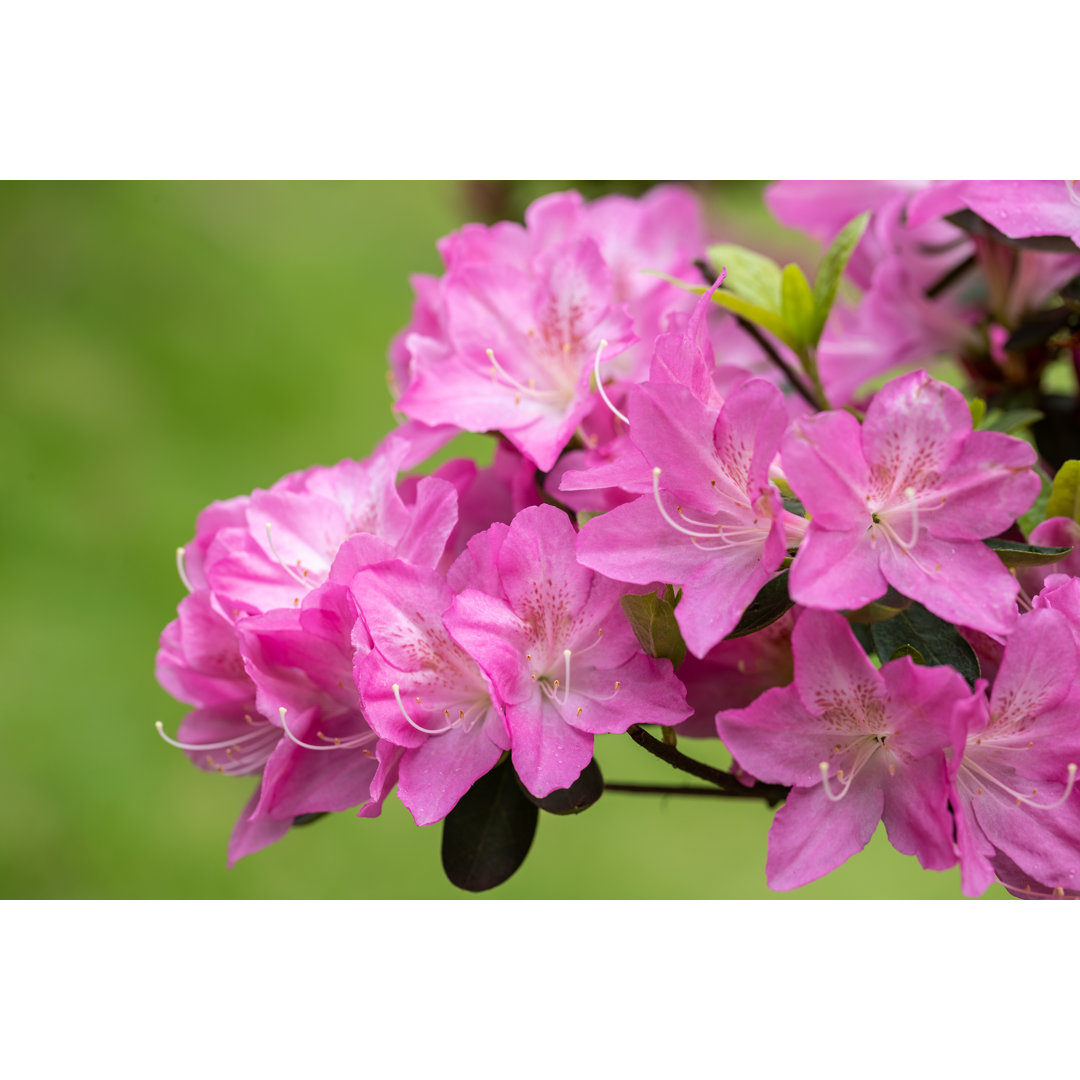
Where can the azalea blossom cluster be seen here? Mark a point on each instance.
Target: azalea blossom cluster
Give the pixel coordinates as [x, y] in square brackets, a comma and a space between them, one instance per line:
[724, 501]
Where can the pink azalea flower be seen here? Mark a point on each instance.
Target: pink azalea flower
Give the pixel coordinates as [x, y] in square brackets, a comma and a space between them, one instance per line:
[1054, 532]
[714, 524]
[288, 537]
[1014, 759]
[552, 638]
[301, 662]
[733, 674]
[422, 691]
[1017, 208]
[904, 500]
[858, 746]
[507, 340]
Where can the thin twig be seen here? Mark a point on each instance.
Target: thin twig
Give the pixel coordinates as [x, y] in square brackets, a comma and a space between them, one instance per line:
[951, 277]
[706, 272]
[684, 789]
[730, 785]
[778, 360]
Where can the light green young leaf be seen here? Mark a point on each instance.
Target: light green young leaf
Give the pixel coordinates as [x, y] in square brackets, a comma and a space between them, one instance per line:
[1065, 494]
[832, 268]
[978, 411]
[797, 304]
[750, 276]
[769, 320]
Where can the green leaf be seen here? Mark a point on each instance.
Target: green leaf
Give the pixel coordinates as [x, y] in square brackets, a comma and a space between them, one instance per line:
[770, 320]
[750, 276]
[770, 603]
[831, 270]
[580, 795]
[1009, 421]
[309, 819]
[1012, 553]
[652, 618]
[797, 304]
[1037, 514]
[909, 650]
[937, 641]
[978, 411]
[488, 834]
[1064, 498]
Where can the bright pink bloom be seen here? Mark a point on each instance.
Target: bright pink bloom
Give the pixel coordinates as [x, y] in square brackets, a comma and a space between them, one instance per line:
[715, 524]
[733, 674]
[1014, 761]
[507, 339]
[422, 692]
[858, 746]
[552, 638]
[1017, 208]
[275, 546]
[904, 500]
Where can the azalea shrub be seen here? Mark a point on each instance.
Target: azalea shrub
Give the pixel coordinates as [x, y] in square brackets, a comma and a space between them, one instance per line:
[825, 515]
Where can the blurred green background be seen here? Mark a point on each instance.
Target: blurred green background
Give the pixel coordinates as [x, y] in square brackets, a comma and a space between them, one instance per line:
[164, 345]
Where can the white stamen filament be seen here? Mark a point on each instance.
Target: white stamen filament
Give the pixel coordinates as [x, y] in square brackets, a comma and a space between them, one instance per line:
[529, 390]
[225, 744]
[1027, 800]
[426, 731]
[600, 385]
[669, 519]
[182, 571]
[350, 742]
[864, 755]
[284, 565]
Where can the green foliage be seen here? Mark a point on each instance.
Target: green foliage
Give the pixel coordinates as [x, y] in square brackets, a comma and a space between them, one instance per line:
[978, 411]
[797, 305]
[580, 795]
[1064, 498]
[832, 268]
[934, 641]
[488, 834]
[1037, 514]
[771, 602]
[782, 301]
[1009, 421]
[652, 619]
[1013, 554]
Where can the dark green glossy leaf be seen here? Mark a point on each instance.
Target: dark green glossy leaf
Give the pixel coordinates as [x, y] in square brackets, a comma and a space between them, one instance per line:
[863, 636]
[794, 505]
[769, 604]
[1012, 553]
[580, 795]
[652, 619]
[488, 834]
[937, 641]
[308, 819]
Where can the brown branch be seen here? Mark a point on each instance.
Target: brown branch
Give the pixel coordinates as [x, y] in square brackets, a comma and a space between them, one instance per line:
[685, 789]
[728, 784]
